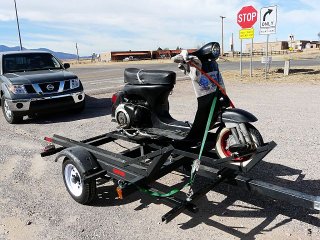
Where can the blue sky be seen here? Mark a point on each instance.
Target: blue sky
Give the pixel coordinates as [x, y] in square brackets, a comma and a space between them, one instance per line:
[105, 25]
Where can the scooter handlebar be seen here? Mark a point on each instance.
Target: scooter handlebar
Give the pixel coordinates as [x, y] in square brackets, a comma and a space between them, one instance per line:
[178, 59]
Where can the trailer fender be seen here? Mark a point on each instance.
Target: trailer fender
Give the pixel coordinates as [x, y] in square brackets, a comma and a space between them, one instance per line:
[84, 159]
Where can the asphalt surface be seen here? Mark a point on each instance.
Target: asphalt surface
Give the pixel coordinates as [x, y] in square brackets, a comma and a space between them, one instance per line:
[105, 78]
[34, 203]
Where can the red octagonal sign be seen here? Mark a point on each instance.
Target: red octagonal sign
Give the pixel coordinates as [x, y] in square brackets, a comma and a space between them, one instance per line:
[247, 16]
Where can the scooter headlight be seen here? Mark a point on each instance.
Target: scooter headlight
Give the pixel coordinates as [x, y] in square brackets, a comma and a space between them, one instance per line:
[215, 51]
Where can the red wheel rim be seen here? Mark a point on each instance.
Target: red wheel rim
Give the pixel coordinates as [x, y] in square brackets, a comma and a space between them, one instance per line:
[224, 140]
[226, 152]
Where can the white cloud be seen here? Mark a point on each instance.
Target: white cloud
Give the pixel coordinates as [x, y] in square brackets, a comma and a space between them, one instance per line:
[102, 25]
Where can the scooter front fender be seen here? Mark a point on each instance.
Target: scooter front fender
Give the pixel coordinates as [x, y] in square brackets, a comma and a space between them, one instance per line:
[237, 115]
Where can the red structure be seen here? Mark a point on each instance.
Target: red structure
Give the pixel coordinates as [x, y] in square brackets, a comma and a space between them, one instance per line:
[136, 55]
[142, 55]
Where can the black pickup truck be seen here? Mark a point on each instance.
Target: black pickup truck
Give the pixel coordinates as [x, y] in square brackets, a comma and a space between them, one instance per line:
[33, 82]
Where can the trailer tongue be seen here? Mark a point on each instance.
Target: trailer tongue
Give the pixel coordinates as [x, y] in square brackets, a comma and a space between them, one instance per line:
[136, 168]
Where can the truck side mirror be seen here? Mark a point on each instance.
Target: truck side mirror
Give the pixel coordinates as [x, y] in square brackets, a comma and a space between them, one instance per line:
[66, 65]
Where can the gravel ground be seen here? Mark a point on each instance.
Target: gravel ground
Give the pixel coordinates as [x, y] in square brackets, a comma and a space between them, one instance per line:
[35, 205]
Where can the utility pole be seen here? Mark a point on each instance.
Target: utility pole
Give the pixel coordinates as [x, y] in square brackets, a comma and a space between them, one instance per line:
[15, 6]
[222, 17]
[77, 52]
[232, 45]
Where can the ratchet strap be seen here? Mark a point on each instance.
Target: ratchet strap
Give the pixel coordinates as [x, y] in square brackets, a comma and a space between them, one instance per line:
[196, 162]
[158, 194]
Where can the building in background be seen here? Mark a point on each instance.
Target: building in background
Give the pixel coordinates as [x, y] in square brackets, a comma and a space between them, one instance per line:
[312, 45]
[130, 55]
[105, 57]
[283, 46]
[273, 46]
[278, 47]
[139, 55]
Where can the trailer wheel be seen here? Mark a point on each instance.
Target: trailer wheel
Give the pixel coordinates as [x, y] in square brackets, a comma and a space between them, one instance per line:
[225, 138]
[81, 191]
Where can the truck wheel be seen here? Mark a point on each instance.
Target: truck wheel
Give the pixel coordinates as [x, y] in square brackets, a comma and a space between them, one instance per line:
[80, 107]
[81, 191]
[9, 115]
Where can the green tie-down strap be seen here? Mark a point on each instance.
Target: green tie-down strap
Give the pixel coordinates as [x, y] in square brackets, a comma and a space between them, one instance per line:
[195, 164]
[158, 194]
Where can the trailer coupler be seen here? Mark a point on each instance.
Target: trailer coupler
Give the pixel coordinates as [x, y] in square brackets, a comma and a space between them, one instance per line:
[293, 197]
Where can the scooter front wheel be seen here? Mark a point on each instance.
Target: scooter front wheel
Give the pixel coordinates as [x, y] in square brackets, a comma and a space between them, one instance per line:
[225, 139]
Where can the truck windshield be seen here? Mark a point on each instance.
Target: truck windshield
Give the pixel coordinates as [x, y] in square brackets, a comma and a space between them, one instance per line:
[22, 62]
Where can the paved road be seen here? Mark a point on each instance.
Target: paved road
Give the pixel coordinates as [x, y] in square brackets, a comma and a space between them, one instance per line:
[105, 78]
[108, 77]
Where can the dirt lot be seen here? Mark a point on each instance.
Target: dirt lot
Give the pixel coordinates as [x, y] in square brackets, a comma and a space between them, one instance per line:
[35, 205]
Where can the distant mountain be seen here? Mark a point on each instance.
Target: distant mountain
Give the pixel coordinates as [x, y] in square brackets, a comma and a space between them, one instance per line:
[4, 48]
[60, 55]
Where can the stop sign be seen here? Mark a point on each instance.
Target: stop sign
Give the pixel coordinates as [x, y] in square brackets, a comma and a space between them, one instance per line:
[247, 16]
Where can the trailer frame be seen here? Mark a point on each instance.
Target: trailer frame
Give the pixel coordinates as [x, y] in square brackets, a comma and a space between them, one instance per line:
[137, 167]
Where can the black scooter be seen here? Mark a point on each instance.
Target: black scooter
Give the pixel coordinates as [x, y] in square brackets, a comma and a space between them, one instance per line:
[141, 108]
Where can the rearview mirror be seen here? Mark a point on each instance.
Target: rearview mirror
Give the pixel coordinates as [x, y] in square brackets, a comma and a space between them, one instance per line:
[66, 65]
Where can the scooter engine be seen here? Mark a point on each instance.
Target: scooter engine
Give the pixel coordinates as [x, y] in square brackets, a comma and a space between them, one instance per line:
[130, 115]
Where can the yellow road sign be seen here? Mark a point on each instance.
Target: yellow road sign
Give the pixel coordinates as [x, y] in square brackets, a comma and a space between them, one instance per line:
[246, 33]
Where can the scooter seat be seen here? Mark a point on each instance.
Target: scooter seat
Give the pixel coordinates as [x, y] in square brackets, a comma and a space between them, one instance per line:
[137, 76]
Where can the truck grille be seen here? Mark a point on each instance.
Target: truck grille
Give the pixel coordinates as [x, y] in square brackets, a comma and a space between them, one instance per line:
[29, 89]
[53, 87]
[66, 85]
[49, 87]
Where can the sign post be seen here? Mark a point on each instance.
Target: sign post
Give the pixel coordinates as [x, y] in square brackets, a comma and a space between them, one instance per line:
[240, 57]
[268, 23]
[247, 33]
[246, 18]
[251, 54]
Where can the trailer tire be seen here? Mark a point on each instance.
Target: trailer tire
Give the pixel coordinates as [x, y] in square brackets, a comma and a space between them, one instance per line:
[81, 191]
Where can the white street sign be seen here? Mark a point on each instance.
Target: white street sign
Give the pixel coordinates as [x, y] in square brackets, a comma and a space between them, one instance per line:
[268, 17]
[265, 31]
[265, 59]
